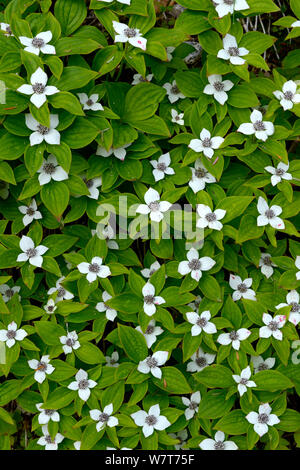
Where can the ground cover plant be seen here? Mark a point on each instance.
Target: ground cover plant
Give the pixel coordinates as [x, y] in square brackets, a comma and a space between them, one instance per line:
[118, 116]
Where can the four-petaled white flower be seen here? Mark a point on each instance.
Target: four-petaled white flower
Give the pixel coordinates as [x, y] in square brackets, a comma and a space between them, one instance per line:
[38, 44]
[70, 342]
[288, 96]
[6, 28]
[259, 363]
[243, 380]
[104, 418]
[110, 313]
[12, 334]
[279, 173]
[119, 152]
[200, 360]
[147, 272]
[200, 176]
[90, 102]
[201, 322]
[153, 363]
[8, 292]
[191, 404]
[218, 443]
[51, 170]
[31, 253]
[261, 129]
[161, 167]
[39, 90]
[234, 338]
[269, 215]
[93, 185]
[231, 51]
[150, 421]
[173, 92]
[31, 213]
[154, 206]
[297, 264]
[209, 218]
[195, 265]
[223, 7]
[218, 87]
[83, 384]
[112, 361]
[150, 333]
[138, 78]
[62, 293]
[46, 415]
[262, 419]
[94, 269]
[195, 304]
[50, 306]
[177, 118]
[292, 299]
[43, 133]
[206, 143]
[272, 326]
[150, 299]
[47, 441]
[42, 368]
[241, 288]
[265, 264]
[131, 35]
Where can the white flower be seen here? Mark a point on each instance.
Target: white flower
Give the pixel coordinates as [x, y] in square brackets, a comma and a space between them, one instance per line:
[191, 404]
[260, 364]
[218, 88]
[200, 176]
[51, 170]
[223, 7]
[181, 436]
[94, 269]
[292, 299]
[41, 368]
[31, 253]
[195, 265]
[151, 420]
[241, 288]
[234, 338]
[31, 213]
[231, 51]
[131, 35]
[90, 103]
[112, 361]
[50, 306]
[62, 293]
[195, 305]
[296, 24]
[150, 299]
[38, 88]
[272, 327]
[177, 118]
[108, 233]
[119, 152]
[200, 360]
[93, 185]
[151, 333]
[201, 322]
[209, 218]
[38, 44]
[279, 173]
[206, 143]
[47, 441]
[12, 334]
[153, 363]
[297, 264]
[110, 313]
[265, 264]
[161, 167]
[243, 380]
[6, 28]
[173, 92]
[46, 415]
[218, 443]
[147, 272]
[269, 215]
[77, 445]
[82, 384]
[261, 129]
[104, 417]
[288, 96]
[169, 51]
[70, 342]
[154, 206]
[138, 78]
[8, 292]
[262, 419]
[42, 133]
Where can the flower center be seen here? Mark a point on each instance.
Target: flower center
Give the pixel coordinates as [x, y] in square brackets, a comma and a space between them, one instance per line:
[31, 252]
[49, 440]
[61, 292]
[150, 330]
[273, 325]
[130, 32]
[279, 171]
[154, 206]
[194, 264]
[149, 299]
[38, 88]
[103, 418]
[11, 334]
[242, 287]
[42, 129]
[9, 293]
[207, 142]
[151, 362]
[193, 405]
[50, 308]
[218, 86]
[270, 214]
[200, 173]
[83, 384]
[70, 342]
[175, 90]
[267, 261]
[288, 95]
[219, 445]
[38, 43]
[89, 183]
[211, 217]
[243, 381]
[259, 126]
[8, 30]
[30, 211]
[161, 166]
[94, 268]
[262, 366]
[295, 307]
[151, 420]
[233, 51]
[233, 336]
[202, 322]
[90, 102]
[201, 361]
[49, 168]
[263, 418]
[42, 366]
[49, 412]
